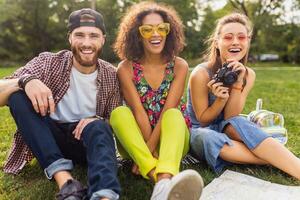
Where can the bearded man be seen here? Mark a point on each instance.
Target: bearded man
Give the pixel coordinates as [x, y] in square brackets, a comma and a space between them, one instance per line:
[61, 103]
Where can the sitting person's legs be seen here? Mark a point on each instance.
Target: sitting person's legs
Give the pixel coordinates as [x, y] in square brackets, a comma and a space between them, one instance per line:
[219, 150]
[174, 144]
[172, 148]
[101, 159]
[96, 149]
[129, 135]
[36, 133]
[264, 147]
[55, 148]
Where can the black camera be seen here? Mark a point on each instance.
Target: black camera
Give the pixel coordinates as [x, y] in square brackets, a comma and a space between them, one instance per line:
[226, 75]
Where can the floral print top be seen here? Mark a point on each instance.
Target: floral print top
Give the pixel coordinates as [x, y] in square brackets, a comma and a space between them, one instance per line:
[153, 100]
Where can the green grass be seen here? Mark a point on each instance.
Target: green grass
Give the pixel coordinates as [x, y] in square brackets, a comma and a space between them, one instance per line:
[4, 71]
[278, 89]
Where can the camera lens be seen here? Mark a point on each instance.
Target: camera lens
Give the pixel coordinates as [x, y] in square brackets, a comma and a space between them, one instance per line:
[230, 78]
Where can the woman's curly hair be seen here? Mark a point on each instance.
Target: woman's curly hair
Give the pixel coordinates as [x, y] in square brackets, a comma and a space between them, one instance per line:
[128, 44]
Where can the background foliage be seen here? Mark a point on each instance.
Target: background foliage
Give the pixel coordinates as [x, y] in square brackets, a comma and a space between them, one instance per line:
[28, 27]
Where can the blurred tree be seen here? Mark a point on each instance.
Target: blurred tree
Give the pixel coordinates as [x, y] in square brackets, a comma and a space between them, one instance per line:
[187, 10]
[292, 39]
[272, 33]
[32, 26]
[264, 16]
[294, 45]
[93, 4]
[208, 25]
[112, 13]
[28, 27]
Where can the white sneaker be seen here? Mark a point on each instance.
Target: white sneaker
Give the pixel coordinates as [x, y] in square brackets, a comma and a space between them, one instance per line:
[187, 185]
[161, 190]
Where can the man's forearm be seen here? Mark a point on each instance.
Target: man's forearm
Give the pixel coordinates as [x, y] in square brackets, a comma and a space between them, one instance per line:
[7, 87]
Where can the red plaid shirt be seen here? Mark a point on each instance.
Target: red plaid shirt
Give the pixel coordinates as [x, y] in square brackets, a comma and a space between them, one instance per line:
[54, 69]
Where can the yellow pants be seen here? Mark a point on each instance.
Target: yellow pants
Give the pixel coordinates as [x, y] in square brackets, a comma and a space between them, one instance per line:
[174, 141]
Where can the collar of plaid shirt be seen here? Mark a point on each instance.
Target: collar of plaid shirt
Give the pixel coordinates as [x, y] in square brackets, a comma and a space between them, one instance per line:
[54, 70]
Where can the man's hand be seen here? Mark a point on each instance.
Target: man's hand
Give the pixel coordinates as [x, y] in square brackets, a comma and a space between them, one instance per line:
[80, 126]
[40, 96]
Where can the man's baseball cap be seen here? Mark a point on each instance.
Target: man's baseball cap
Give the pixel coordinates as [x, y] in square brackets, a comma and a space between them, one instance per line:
[95, 20]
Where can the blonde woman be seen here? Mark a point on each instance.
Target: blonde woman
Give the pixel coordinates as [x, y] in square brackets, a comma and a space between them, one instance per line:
[218, 134]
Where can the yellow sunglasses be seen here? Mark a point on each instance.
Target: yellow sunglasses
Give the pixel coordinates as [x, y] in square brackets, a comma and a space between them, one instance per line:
[147, 30]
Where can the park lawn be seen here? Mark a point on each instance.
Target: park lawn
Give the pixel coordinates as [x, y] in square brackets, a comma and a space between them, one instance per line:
[279, 90]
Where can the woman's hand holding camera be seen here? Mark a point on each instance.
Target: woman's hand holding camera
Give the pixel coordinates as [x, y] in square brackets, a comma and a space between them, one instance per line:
[238, 67]
[218, 89]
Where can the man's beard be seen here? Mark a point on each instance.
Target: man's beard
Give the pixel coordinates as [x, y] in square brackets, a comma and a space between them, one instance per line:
[86, 63]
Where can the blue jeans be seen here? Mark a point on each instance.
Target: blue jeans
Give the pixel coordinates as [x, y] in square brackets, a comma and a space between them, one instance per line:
[206, 143]
[56, 149]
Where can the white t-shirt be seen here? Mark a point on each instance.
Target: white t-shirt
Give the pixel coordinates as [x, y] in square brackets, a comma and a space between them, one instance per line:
[80, 100]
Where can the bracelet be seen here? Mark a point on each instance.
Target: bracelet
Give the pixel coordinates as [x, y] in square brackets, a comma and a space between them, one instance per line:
[236, 88]
[20, 82]
[24, 80]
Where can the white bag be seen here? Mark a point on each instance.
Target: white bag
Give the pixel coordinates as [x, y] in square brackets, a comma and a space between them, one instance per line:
[270, 122]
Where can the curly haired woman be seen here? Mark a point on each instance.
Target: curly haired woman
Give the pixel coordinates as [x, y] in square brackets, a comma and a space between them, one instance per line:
[153, 130]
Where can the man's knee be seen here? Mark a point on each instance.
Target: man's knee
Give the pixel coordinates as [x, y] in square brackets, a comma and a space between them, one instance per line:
[98, 125]
[97, 128]
[19, 101]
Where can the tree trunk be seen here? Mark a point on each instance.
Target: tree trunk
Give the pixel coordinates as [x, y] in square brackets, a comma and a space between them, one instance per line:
[93, 4]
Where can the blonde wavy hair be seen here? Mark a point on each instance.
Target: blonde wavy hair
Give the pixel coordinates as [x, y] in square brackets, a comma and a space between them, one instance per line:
[213, 54]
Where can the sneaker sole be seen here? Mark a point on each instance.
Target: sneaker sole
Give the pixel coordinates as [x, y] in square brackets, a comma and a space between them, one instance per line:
[187, 185]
